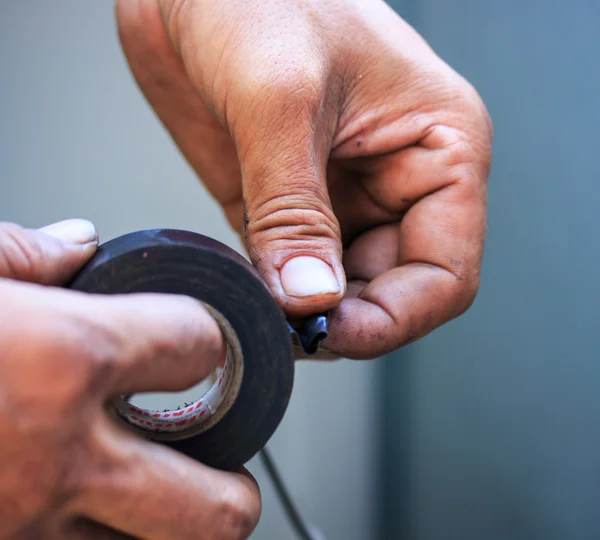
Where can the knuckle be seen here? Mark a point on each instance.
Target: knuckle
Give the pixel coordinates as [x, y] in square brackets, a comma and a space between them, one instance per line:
[486, 118]
[470, 133]
[57, 378]
[299, 82]
[461, 152]
[287, 93]
[468, 160]
[20, 252]
[479, 108]
[467, 293]
[479, 118]
[66, 358]
[298, 209]
[301, 89]
[103, 350]
[238, 513]
[301, 221]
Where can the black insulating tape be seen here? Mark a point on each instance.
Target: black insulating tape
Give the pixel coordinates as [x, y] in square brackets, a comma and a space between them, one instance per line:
[181, 262]
[310, 332]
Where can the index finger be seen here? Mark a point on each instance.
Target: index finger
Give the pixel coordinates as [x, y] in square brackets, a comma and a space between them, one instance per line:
[155, 493]
[152, 342]
[427, 267]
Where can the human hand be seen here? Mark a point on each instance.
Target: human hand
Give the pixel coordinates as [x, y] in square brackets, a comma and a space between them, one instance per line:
[351, 158]
[67, 469]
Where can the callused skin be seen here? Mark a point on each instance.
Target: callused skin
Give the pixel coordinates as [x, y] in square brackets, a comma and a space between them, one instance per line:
[331, 130]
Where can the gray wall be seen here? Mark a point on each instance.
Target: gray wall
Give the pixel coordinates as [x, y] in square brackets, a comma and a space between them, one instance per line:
[493, 422]
[77, 139]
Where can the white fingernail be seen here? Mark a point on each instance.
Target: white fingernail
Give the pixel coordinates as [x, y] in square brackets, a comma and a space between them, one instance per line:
[72, 231]
[308, 276]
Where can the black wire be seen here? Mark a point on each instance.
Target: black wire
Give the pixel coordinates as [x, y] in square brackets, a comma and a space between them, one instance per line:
[294, 517]
[298, 524]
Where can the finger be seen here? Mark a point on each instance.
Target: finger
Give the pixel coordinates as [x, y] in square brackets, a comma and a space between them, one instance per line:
[279, 114]
[157, 342]
[164, 82]
[152, 492]
[111, 345]
[416, 275]
[372, 253]
[292, 233]
[48, 256]
[399, 307]
[369, 192]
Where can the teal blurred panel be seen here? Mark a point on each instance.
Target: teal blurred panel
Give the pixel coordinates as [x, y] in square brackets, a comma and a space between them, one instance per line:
[492, 423]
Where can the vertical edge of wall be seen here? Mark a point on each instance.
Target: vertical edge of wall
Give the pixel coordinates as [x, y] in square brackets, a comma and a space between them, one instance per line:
[395, 519]
[394, 458]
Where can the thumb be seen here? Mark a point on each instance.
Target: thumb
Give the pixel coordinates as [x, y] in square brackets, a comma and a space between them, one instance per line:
[48, 256]
[291, 231]
[264, 77]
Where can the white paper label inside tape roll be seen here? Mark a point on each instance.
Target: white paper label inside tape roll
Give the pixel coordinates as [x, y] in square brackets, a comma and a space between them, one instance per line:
[201, 414]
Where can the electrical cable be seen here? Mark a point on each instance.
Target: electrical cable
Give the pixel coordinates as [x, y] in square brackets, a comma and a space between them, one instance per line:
[292, 513]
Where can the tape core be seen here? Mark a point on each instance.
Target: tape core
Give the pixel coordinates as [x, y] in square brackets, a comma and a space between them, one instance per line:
[202, 414]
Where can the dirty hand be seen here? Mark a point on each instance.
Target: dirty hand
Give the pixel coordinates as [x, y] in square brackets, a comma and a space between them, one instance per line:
[351, 158]
[67, 470]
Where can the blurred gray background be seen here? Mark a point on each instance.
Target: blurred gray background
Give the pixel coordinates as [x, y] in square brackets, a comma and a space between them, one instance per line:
[493, 422]
[487, 429]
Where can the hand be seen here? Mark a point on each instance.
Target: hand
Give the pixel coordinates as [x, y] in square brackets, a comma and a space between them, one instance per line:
[351, 158]
[67, 470]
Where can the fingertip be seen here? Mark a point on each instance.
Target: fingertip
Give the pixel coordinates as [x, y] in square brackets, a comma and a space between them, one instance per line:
[309, 285]
[79, 232]
[308, 276]
[48, 256]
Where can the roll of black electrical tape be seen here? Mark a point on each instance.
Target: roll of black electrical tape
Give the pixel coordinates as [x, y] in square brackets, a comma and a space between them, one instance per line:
[237, 416]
